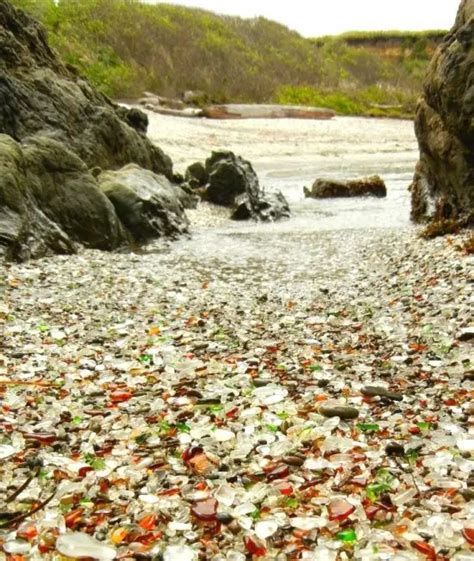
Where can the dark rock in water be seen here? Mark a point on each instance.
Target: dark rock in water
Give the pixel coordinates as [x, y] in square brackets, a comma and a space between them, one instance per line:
[187, 195]
[196, 175]
[49, 202]
[147, 203]
[443, 186]
[229, 177]
[40, 95]
[234, 183]
[268, 207]
[328, 188]
[134, 118]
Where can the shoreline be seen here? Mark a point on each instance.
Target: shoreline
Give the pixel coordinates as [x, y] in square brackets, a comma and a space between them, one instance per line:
[135, 361]
[135, 102]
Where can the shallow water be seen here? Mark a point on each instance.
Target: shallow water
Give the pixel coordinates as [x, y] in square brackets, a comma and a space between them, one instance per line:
[289, 154]
[324, 238]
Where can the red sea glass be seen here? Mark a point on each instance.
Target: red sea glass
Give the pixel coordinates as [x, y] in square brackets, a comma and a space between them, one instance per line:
[468, 534]
[340, 510]
[255, 546]
[205, 510]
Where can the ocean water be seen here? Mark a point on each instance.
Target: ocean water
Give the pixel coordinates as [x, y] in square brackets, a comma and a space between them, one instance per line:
[289, 154]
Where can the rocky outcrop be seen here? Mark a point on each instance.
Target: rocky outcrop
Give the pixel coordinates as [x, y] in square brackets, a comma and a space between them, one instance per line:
[328, 188]
[57, 134]
[40, 95]
[267, 207]
[443, 186]
[230, 176]
[147, 204]
[49, 202]
[232, 182]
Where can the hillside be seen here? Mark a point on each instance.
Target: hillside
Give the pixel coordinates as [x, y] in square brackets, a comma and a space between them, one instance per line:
[126, 47]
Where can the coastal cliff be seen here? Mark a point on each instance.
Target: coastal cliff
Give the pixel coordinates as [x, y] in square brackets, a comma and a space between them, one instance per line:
[443, 186]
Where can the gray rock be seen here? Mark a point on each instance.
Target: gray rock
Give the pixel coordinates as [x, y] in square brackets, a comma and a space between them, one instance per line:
[443, 186]
[147, 203]
[329, 188]
[229, 177]
[339, 411]
[377, 391]
[187, 196]
[196, 175]
[49, 202]
[268, 207]
[56, 128]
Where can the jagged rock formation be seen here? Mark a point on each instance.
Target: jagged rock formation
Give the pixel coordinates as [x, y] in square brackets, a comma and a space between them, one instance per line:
[56, 135]
[231, 181]
[40, 95]
[443, 186]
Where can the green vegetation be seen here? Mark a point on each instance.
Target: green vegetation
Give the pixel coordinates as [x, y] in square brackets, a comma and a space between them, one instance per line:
[375, 101]
[126, 47]
[370, 36]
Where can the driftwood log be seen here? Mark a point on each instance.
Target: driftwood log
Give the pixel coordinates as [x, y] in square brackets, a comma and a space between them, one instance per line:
[237, 111]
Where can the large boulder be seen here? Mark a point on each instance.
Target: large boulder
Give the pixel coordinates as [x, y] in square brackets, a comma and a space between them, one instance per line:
[267, 207]
[50, 202]
[443, 186]
[229, 177]
[233, 182]
[57, 134]
[330, 188]
[40, 95]
[147, 203]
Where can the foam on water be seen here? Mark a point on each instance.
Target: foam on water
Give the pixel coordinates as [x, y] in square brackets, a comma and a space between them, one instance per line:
[289, 154]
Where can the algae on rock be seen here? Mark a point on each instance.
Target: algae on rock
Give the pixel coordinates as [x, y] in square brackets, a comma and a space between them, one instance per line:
[49, 201]
[57, 134]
